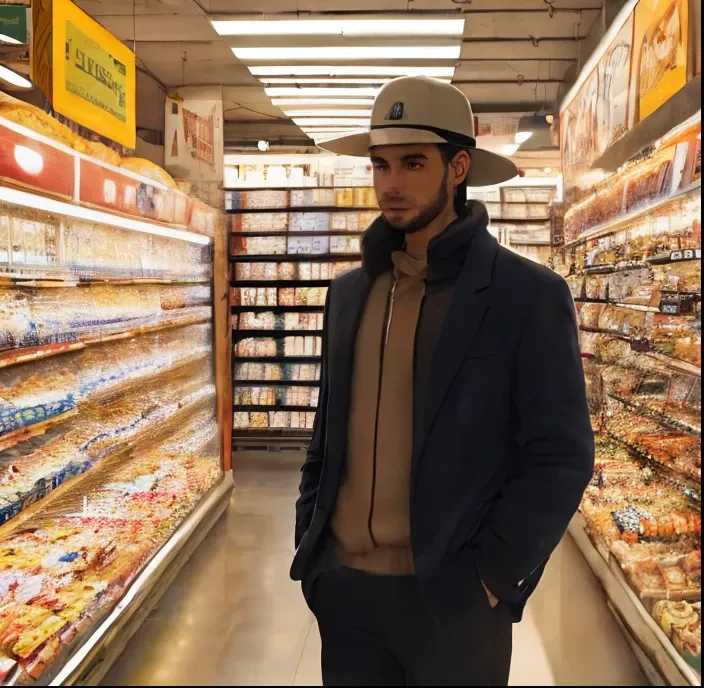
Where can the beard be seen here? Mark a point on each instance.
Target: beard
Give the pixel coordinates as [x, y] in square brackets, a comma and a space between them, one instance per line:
[425, 215]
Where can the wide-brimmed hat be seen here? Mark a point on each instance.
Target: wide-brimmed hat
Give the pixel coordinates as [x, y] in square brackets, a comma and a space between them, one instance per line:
[419, 109]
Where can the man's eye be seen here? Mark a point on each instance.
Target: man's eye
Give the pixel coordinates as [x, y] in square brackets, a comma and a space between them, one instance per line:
[414, 165]
[381, 167]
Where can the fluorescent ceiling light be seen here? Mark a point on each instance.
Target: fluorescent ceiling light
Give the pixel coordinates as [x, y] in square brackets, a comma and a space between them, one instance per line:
[330, 113]
[315, 131]
[322, 101]
[287, 91]
[50, 205]
[12, 77]
[509, 149]
[348, 70]
[368, 52]
[522, 136]
[327, 80]
[341, 27]
[330, 121]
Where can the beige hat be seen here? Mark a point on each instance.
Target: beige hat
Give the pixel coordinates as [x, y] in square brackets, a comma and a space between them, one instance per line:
[419, 109]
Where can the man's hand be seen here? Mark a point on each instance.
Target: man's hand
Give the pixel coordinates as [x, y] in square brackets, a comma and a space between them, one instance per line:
[493, 601]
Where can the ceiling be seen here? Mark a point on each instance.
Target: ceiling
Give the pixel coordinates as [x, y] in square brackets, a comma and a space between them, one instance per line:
[514, 57]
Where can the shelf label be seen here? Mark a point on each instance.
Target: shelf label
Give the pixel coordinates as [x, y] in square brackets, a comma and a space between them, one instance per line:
[686, 254]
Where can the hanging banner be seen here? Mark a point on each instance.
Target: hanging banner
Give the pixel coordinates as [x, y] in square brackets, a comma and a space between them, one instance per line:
[87, 74]
[193, 138]
[13, 24]
[661, 45]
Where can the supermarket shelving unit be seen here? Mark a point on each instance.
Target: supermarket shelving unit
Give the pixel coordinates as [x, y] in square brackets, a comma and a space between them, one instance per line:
[318, 238]
[108, 352]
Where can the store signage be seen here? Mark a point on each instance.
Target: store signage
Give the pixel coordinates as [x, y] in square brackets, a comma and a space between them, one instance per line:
[13, 23]
[87, 74]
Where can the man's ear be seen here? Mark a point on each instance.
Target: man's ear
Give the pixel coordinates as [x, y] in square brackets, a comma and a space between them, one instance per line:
[460, 165]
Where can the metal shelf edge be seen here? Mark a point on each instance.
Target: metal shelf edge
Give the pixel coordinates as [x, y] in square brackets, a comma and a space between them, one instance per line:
[674, 668]
[88, 656]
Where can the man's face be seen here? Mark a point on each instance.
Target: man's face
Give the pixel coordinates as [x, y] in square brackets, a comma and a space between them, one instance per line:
[412, 185]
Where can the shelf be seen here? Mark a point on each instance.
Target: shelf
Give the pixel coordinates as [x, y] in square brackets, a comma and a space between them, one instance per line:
[646, 412]
[297, 258]
[49, 488]
[35, 353]
[661, 259]
[26, 432]
[70, 281]
[281, 283]
[675, 476]
[264, 434]
[276, 359]
[611, 226]
[529, 243]
[675, 364]
[297, 188]
[277, 309]
[629, 306]
[303, 209]
[661, 654]
[253, 408]
[294, 233]
[275, 334]
[520, 220]
[277, 383]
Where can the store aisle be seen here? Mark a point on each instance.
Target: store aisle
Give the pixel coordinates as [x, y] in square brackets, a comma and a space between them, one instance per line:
[233, 617]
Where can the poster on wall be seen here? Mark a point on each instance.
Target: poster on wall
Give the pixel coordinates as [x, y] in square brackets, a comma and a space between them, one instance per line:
[661, 44]
[614, 68]
[193, 140]
[580, 132]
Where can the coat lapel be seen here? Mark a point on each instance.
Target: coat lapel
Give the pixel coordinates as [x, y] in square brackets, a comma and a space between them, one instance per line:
[465, 316]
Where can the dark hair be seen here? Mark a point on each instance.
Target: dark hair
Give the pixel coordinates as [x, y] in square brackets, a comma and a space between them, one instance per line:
[448, 151]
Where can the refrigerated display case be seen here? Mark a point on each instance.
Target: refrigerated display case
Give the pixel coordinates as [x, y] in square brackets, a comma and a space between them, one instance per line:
[110, 445]
[632, 259]
[286, 246]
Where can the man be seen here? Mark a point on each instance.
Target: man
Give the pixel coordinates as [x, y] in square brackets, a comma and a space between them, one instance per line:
[452, 442]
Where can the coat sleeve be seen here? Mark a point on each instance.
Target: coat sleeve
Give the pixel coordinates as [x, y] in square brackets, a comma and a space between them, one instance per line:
[313, 466]
[556, 446]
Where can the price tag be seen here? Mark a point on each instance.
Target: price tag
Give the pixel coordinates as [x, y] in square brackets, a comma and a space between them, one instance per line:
[686, 254]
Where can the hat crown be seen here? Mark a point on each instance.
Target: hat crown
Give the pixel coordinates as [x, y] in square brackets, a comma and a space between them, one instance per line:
[421, 101]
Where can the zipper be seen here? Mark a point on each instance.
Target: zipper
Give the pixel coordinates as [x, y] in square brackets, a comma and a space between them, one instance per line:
[414, 430]
[388, 313]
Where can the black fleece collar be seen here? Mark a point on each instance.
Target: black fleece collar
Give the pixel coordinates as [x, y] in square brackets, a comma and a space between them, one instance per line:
[446, 252]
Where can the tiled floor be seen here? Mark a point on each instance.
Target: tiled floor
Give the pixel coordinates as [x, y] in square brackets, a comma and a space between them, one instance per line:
[233, 617]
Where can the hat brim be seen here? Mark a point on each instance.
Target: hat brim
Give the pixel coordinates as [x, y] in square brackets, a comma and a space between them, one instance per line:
[487, 168]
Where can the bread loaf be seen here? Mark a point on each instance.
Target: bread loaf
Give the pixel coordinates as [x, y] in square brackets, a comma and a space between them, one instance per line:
[148, 169]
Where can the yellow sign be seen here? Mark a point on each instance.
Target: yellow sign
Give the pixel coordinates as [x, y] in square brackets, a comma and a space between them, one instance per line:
[92, 72]
[661, 44]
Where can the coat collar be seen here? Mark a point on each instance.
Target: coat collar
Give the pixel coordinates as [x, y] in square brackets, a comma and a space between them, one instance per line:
[446, 252]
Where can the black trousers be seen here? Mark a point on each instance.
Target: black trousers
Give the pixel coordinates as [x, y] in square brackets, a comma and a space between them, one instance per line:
[376, 630]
